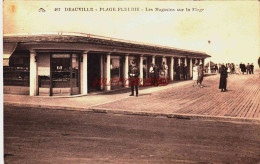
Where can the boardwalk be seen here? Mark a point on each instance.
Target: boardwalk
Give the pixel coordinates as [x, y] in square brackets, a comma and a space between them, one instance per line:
[241, 100]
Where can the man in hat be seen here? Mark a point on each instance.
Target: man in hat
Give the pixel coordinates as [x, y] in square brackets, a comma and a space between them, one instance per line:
[134, 80]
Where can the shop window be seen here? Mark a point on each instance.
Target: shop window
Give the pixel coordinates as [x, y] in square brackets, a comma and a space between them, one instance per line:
[18, 71]
[115, 68]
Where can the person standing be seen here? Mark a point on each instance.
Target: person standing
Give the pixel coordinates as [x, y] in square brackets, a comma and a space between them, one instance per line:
[241, 67]
[134, 80]
[185, 70]
[165, 68]
[156, 75]
[252, 68]
[195, 75]
[178, 72]
[200, 75]
[248, 69]
[151, 74]
[223, 79]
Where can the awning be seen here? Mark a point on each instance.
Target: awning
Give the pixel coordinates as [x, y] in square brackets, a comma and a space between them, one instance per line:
[8, 49]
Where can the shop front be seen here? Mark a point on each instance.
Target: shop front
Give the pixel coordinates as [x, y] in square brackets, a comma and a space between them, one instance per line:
[65, 64]
[58, 73]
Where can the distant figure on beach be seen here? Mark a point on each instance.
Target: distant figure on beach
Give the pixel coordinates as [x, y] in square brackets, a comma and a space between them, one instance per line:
[223, 79]
[248, 69]
[252, 68]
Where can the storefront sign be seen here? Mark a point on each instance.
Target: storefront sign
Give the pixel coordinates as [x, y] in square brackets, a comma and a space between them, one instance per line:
[60, 55]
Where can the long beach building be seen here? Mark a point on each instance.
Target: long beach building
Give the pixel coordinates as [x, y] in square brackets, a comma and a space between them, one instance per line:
[53, 64]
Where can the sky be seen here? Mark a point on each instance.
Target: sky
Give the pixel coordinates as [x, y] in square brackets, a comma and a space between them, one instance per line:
[231, 27]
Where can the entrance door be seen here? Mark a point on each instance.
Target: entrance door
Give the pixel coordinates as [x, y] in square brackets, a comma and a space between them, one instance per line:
[65, 74]
[93, 72]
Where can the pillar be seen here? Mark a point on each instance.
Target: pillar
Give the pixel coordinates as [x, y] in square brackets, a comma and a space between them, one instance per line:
[172, 69]
[101, 71]
[153, 60]
[141, 75]
[107, 73]
[126, 67]
[185, 62]
[84, 74]
[33, 74]
[179, 61]
[191, 67]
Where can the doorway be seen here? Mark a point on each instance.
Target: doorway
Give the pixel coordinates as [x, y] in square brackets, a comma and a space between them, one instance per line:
[65, 74]
[94, 72]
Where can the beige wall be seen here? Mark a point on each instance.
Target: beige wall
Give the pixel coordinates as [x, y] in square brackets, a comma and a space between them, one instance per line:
[43, 64]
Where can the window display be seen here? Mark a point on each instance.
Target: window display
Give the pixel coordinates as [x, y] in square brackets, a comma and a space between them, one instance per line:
[18, 71]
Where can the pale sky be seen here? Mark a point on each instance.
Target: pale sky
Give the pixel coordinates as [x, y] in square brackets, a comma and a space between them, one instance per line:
[232, 27]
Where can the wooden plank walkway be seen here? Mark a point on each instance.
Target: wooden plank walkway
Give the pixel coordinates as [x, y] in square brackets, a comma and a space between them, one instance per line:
[241, 100]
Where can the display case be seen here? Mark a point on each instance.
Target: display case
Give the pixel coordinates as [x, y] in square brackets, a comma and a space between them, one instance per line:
[18, 71]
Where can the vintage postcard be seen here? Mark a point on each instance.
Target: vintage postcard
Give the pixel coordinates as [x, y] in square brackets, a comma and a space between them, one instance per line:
[131, 82]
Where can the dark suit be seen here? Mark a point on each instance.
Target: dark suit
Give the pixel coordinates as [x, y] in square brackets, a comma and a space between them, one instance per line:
[134, 80]
[223, 78]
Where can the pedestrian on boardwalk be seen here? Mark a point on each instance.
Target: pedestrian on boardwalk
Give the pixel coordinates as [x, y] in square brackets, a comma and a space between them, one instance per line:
[156, 75]
[237, 69]
[178, 76]
[151, 74]
[165, 69]
[195, 75]
[223, 79]
[185, 71]
[248, 69]
[252, 68]
[200, 75]
[134, 80]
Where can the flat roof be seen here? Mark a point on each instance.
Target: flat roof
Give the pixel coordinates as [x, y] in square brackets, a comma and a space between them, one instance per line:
[61, 37]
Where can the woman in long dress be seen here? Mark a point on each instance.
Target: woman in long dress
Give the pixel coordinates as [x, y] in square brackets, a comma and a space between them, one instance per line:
[195, 75]
[223, 79]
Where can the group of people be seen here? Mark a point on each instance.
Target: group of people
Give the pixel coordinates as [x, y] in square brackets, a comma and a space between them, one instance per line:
[161, 72]
[158, 72]
[235, 69]
[249, 68]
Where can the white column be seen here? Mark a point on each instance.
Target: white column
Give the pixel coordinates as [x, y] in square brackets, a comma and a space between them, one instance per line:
[101, 71]
[33, 74]
[153, 59]
[84, 74]
[171, 69]
[185, 62]
[107, 73]
[191, 67]
[179, 61]
[141, 75]
[126, 67]
[200, 61]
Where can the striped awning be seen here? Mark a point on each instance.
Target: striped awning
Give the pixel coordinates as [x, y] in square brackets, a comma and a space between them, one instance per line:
[8, 49]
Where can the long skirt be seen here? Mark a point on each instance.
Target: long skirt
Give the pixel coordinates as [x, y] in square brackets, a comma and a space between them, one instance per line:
[223, 83]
